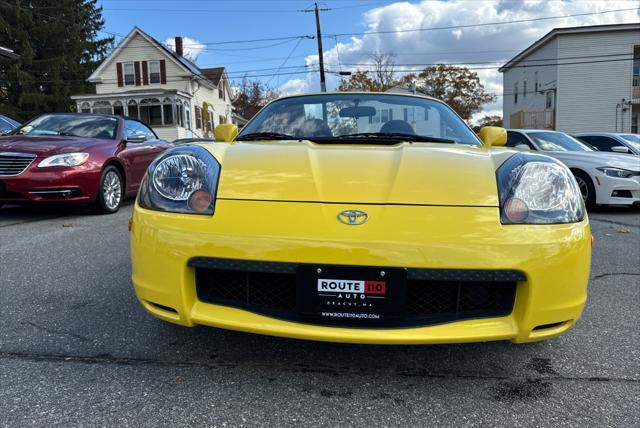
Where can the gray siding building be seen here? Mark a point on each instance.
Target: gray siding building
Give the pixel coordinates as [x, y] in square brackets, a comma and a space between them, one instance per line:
[576, 79]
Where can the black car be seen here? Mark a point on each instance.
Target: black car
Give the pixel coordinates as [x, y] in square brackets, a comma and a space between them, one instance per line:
[7, 124]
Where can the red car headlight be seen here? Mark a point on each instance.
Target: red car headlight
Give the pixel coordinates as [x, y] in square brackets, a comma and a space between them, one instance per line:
[65, 159]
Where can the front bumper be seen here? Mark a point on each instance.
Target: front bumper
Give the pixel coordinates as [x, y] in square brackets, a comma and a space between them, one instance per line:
[50, 185]
[554, 259]
[617, 191]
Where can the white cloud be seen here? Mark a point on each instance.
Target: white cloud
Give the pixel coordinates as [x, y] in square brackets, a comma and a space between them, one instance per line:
[191, 47]
[487, 44]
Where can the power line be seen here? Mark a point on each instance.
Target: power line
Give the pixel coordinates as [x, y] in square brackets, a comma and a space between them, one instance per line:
[285, 61]
[482, 24]
[515, 66]
[311, 69]
[630, 55]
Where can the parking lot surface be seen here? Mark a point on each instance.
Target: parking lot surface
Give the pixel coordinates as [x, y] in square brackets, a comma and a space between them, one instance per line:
[76, 348]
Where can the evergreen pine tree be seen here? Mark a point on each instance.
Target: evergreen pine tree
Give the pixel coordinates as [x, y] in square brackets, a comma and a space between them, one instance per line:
[60, 45]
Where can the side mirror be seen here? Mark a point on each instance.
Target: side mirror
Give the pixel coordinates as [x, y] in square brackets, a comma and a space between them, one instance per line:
[138, 138]
[620, 149]
[225, 132]
[522, 147]
[493, 136]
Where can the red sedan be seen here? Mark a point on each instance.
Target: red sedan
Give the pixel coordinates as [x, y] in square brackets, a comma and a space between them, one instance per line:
[80, 158]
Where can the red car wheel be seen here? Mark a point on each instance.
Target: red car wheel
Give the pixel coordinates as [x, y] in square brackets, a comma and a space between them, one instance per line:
[110, 191]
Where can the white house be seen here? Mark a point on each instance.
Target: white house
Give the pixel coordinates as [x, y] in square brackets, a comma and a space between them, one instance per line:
[576, 79]
[146, 80]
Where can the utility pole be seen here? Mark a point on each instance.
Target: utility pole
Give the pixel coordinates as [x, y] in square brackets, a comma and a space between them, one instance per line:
[323, 84]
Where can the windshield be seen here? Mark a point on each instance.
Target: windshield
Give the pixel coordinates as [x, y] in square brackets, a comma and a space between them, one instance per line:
[634, 139]
[557, 142]
[74, 125]
[339, 117]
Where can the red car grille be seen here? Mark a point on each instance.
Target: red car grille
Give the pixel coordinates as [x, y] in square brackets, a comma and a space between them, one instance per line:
[14, 163]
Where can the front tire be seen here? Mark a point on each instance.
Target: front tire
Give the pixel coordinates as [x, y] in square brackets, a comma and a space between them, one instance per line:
[110, 191]
[587, 189]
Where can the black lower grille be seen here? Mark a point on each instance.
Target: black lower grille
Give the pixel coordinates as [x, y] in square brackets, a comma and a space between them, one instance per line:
[426, 301]
[265, 290]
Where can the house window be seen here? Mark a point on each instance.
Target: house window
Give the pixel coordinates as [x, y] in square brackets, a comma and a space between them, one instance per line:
[151, 111]
[129, 74]
[221, 89]
[524, 89]
[210, 120]
[154, 71]
[179, 113]
[85, 108]
[167, 111]
[549, 100]
[222, 119]
[132, 110]
[187, 116]
[198, 117]
[515, 93]
[536, 82]
[118, 108]
[102, 107]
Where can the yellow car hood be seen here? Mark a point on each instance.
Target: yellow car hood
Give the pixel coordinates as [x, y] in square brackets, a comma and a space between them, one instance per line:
[418, 173]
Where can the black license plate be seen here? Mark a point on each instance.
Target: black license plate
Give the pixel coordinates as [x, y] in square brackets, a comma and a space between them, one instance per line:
[351, 295]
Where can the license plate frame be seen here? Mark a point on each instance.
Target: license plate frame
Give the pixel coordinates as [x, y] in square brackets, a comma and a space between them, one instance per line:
[351, 295]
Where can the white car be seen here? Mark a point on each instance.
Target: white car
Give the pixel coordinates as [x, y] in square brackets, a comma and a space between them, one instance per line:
[604, 178]
[612, 142]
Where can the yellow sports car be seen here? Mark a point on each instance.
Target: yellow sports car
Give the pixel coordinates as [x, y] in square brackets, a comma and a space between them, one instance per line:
[364, 218]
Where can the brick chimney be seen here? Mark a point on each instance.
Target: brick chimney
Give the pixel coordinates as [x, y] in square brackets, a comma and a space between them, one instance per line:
[179, 48]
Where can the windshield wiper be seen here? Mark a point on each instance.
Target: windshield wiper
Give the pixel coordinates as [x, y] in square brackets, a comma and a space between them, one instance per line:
[265, 136]
[400, 136]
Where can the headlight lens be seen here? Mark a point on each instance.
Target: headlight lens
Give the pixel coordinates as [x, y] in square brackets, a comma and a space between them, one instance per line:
[536, 189]
[66, 159]
[617, 172]
[182, 180]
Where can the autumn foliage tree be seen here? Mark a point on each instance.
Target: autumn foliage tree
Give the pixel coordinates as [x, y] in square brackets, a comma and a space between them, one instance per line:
[487, 120]
[251, 96]
[381, 76]
[457, 86]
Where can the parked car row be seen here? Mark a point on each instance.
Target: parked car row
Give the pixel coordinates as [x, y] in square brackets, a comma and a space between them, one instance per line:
[287, 226]
[101, 159]
[79, 158]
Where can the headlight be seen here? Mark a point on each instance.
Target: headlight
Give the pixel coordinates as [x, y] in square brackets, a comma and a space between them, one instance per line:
[617, 172]
[536, 189]
[66, 159]
[182, 180]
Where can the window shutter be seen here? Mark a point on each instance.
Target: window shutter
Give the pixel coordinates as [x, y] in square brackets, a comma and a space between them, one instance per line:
[163, 71]
[145, 73]
[136, 68]
[120, 75]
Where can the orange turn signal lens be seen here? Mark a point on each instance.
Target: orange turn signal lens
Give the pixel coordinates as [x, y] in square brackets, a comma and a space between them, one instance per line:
[516, 210]
[200, 201]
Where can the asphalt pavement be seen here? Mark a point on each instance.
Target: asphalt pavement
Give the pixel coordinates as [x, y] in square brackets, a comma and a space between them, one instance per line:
[76, 349]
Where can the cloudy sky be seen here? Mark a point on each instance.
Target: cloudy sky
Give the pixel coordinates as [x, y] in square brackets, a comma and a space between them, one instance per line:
[233, 33]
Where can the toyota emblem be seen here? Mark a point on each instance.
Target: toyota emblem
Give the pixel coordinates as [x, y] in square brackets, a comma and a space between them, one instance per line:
[353, 217]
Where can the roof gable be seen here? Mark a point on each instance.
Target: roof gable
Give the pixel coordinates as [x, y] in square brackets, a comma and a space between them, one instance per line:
[181, 62]
[567, 30]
